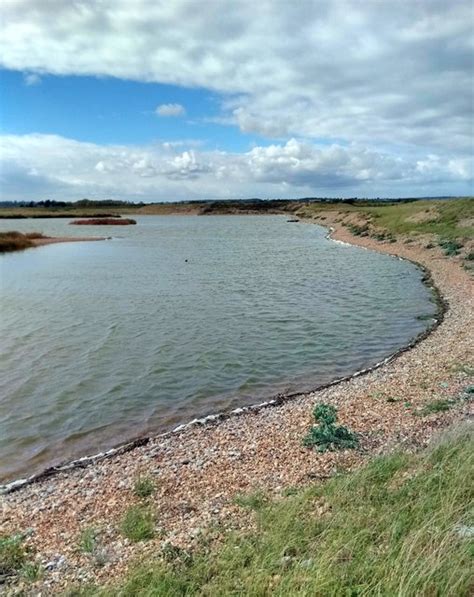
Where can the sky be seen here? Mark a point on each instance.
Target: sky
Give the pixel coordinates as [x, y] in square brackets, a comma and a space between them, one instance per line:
[160, 100]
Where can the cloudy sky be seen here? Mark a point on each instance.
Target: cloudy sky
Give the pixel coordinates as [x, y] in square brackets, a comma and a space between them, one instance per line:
[186, 99]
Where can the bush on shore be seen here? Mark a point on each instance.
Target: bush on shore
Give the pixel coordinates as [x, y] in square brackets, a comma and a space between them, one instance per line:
[327, 435]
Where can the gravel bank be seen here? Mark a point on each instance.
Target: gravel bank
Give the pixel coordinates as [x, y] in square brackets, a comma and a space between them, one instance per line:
[199, 471]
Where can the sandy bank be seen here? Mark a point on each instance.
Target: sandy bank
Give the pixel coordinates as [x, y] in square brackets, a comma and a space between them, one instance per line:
[50, 240]
[198, 472]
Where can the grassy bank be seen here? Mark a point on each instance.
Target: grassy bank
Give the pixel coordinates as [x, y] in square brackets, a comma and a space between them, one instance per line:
[448, 219]
[402, 525]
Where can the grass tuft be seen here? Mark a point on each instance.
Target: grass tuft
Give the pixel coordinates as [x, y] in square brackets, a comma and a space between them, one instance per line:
[12, 555]
[138, 524]
[437, 406]
[88, 540]
[143, 487]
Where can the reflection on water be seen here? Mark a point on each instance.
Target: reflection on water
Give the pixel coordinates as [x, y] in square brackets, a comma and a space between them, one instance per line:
[179, 317]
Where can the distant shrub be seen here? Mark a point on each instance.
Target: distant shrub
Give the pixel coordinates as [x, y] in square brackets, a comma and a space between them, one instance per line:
[138, 524]
[327, 435]
[143, 487]
[470, 256]
[359, 230]
[450, 247]
[384, 236]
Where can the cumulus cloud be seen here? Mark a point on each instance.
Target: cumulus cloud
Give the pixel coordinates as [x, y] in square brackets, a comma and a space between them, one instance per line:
[170, 110]
[397, 73]
[37, 166]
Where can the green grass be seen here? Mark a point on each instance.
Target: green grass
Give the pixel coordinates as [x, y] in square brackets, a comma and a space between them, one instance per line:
[143, 487]
[437, 406]
[390, 528]
[138, 524]
[88, 540]
[12, 555]
[448, 219]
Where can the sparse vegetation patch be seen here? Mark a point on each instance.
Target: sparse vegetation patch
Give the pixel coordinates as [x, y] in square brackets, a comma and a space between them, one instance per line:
[138, 524]
[326, 435]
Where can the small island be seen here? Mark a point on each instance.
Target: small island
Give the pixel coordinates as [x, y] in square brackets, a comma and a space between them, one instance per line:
[18, 241]
[104, 222]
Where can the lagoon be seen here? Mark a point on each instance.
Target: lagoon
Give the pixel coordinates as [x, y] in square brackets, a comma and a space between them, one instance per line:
[182, 316]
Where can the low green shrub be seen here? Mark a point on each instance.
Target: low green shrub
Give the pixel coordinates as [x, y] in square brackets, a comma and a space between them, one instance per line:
[359, 230]
[138, 524]
[327, 435]
[450, 247]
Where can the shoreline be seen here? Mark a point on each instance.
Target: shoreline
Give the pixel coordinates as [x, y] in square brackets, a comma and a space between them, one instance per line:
[198, 473]
[442, 306]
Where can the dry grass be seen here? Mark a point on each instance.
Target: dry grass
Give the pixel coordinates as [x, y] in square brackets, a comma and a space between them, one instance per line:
[17, 241]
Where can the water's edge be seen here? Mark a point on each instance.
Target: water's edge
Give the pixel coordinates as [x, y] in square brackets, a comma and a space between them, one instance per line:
[442, 307]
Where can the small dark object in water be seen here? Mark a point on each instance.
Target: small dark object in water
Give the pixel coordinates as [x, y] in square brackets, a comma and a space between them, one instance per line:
[186, 260]
[292, 220]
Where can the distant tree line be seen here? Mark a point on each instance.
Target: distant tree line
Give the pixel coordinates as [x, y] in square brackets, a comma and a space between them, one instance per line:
[211, 204]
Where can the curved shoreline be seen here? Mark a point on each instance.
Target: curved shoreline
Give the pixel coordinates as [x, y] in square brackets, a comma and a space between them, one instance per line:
[442, 307]
[197, 474]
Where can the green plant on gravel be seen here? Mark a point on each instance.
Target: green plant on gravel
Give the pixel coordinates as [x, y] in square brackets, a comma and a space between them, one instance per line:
[31, 571]
[437, 406]
[88, 540]
[143, 487]
[326, 435]
[450, 247]
[392, 528]
[138, 524]
[12, 555]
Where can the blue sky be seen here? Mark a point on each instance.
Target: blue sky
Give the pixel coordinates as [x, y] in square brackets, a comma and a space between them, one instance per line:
[110, 110]
[150, 101]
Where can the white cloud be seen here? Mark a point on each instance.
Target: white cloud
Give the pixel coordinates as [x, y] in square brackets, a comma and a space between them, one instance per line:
[170, 110]
[396, 73]
[31, 79]
[48, 166]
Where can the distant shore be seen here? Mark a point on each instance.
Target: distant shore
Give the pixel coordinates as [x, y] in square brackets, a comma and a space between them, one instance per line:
[200, 470]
